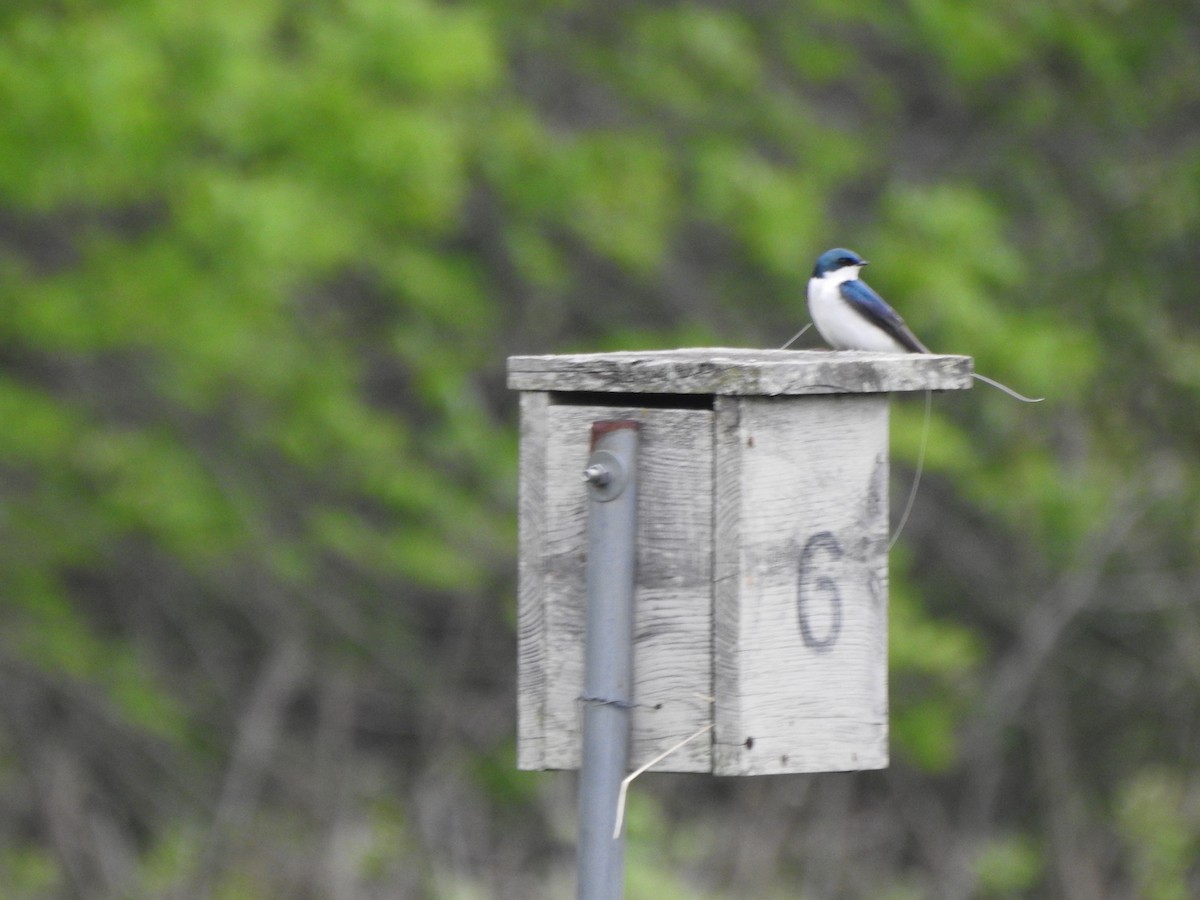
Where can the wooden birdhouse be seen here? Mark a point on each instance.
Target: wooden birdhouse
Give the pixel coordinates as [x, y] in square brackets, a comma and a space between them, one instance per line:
[761, 571]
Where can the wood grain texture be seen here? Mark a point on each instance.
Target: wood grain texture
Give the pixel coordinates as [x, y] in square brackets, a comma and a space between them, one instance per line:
[740, 372]
[761, 594]
[673, 597]
[727, 584]
[531, 590]
[801, 575]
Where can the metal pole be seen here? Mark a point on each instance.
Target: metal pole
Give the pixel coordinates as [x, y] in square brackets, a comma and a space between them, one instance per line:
[608, 663]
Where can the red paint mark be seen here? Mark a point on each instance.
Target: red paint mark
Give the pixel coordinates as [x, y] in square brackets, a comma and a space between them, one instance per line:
[599, 429]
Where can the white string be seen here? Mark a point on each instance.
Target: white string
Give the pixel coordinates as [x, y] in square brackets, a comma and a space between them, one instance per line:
[796, 336]
[634, 774]
[912, 492]
[1006, 389]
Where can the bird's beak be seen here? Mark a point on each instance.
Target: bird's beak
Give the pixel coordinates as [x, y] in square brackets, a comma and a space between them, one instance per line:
[863, 263]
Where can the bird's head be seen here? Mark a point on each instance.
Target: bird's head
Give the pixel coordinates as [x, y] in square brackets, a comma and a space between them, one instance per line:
[838, 263]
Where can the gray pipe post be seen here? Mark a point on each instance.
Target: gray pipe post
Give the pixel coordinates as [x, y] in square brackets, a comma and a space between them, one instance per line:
[611, 476]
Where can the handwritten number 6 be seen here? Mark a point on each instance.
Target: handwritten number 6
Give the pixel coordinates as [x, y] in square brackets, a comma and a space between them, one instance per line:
[821, 547]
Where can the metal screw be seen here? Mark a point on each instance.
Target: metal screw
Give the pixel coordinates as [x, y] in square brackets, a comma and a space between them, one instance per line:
[597, 474]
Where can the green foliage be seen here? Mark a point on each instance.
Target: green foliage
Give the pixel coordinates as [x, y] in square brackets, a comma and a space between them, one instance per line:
[1158, 815]
[769, 207]
[29, 872]
[618, 191]
[1008, 865]
[934, 669]
[260, 263]
[510, 788]
[654, 843]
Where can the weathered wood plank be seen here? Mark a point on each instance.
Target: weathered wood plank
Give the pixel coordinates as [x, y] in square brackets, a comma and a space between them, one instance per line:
[729, 371]
[673, 617]
[801, 603]
[531, 589]
[729, 732]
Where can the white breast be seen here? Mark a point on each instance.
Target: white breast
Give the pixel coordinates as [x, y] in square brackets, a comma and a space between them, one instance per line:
[839, 324]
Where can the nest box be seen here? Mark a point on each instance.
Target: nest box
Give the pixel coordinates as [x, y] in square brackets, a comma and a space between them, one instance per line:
[762, 532]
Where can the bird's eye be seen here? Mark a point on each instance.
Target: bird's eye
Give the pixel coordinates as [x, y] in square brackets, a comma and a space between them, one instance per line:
[847, 261]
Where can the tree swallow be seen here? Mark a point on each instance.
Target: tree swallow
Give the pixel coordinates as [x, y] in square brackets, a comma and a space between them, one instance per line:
[851, 316]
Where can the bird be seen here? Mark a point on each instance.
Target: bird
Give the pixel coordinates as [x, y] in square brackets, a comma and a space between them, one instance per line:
[850, 316]
[847, 311]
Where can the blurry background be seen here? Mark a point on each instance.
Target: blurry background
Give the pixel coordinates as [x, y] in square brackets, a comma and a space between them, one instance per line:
[261, 263]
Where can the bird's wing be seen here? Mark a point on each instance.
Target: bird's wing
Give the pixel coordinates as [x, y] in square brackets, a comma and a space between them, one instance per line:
[868, 304]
